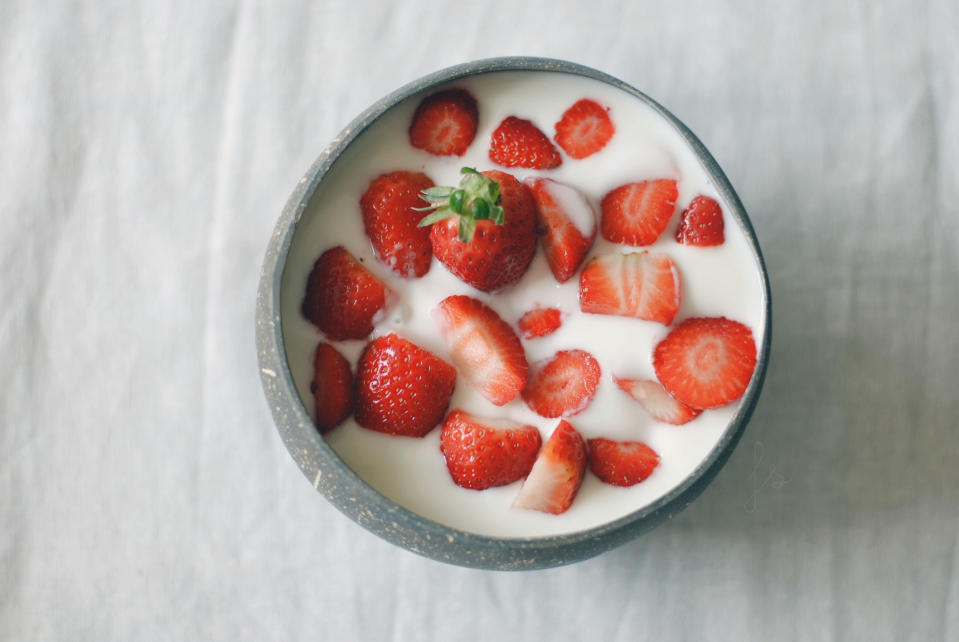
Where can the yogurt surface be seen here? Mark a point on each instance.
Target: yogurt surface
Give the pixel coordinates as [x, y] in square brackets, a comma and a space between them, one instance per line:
[715, 281]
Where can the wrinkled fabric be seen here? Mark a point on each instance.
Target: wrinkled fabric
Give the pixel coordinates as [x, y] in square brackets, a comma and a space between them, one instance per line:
[146, 150]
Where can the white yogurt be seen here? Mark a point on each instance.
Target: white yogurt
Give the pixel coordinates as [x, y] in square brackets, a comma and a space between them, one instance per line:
[717, 281]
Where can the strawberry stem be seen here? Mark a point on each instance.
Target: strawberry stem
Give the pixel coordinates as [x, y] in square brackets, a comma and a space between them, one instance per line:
[476, 199]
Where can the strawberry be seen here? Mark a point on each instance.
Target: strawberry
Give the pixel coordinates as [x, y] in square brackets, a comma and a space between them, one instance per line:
[483, 347]
[482, 453]
[557, 473]
[332, 387]
[701, 223]
[444, 123]
[519, 143]
[567, 224]
[391, 222]
[562, 385]
[637, 213]
[485, 231]
[401, 389]
[343, 298]
[644, 285]
[706, 362]
[621, 463]
[584, 129]
[540, 322]
[657, 402]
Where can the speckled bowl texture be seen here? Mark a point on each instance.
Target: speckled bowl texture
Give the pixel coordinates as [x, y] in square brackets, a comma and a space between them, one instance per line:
[371, 510]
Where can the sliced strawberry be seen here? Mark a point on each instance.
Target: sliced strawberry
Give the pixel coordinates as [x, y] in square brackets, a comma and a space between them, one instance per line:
[488, 254]
[343, 298]
[637, 213]
[701, 223]
[401, 389]
[584, 129]
[562, 385]
[483, 347]
[567, 224]
[644, 285]
[482, 453]
[621, 463]
[657, 402]
[332, 387]
[445, 123]
[519, 143]
[557, 474]
[706, 362]
[540, 322]
[391, 222]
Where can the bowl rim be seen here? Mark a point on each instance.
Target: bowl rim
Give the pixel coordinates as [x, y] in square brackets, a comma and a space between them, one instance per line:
[348, 492]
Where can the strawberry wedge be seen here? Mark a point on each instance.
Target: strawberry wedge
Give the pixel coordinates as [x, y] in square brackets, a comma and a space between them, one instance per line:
[644, 285]
[656, 401]
[483, 347]
[557, 474]
[482, 453]
[621, 463]
[566, 221]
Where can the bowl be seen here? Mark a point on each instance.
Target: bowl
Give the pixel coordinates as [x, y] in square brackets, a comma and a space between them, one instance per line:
[327, 471]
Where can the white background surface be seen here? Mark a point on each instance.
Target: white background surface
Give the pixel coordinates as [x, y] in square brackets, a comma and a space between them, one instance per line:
[145, 154]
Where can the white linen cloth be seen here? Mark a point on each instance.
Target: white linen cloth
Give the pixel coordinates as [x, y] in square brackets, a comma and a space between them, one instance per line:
[146, 150]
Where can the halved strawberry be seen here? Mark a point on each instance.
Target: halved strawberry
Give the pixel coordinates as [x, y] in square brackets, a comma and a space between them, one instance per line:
[342, 297]
[482, 453]
[401, 389]
[483, 347]
[567, 224]
[706, 362]
[517, 142]
[557, 473]
[445, 123]
[562, 385]
[584, 129]
[391, 222]
[621, 463]
[539, 322]
[657, 402]
[332, 387]
[637, 213]
[701, 223]
[644, 285]
[485, 231]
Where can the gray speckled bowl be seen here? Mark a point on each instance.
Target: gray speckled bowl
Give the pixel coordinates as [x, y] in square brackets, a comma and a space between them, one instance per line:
[349, 493]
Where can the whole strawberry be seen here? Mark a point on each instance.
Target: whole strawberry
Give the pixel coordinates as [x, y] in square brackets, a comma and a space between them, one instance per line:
[391, 222]
[484, 231]
[401, 389]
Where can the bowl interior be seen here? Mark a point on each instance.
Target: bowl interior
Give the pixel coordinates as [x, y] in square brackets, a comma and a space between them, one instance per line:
[399, 487]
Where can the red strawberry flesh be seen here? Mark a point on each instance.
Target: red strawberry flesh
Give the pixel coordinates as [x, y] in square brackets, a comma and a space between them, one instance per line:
[557, 474]
[402, 389]
[482, 453]
[643, 285]
[343, 298]
[637, 213]
[567, 225]
[584, 129]
[562, 385]
[621, 463]
[706, 362]
[444, 123]
[483, 347]
[657, 402]
[540, 322]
